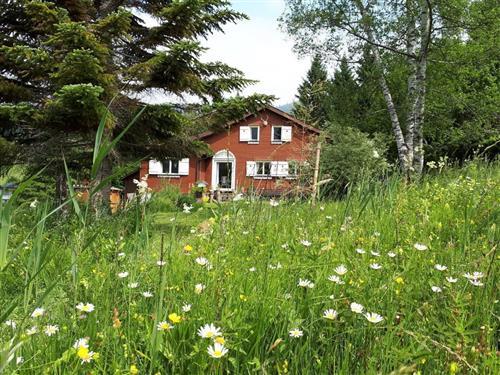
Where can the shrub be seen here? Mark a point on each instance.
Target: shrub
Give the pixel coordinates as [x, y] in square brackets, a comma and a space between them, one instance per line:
[349, 157]
[165, 200]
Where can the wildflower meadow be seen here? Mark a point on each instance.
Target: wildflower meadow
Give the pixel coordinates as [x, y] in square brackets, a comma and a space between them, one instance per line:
[392, 278]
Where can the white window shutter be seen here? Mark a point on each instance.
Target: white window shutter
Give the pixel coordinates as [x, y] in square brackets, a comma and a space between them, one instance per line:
[184, 167]
[282, 168]
[245, 135]
[274, 168]
[251, 168]
[286, 133]
[155, 167]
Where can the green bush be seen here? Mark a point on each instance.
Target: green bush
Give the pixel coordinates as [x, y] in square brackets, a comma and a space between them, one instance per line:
[165, 200]
[349, 157]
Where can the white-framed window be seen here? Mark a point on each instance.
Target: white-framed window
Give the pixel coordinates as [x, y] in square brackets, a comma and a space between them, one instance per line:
[280, 134]
[254, 134]
[170, 166]
[263, 169]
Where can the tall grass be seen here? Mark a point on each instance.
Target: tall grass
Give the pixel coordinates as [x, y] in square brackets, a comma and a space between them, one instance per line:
[257, 254]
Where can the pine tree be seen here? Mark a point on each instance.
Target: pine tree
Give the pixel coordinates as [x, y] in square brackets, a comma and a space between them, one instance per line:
[343, 95]
[311, 105]
[63, 62]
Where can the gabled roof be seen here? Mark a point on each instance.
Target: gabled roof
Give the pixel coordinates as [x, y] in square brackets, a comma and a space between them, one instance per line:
[279, 112]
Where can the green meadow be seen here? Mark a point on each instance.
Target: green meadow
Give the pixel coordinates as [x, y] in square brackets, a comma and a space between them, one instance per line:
[393, 278]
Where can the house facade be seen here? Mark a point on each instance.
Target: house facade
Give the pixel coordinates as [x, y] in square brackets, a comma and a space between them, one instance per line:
[260, 152]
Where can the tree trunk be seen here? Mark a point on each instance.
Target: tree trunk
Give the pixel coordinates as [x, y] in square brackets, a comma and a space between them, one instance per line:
[425, 34]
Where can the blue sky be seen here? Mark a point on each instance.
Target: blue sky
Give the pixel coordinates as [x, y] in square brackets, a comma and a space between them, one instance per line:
[260, 49]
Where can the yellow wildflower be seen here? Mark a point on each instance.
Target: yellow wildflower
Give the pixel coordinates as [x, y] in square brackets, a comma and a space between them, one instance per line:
[174, 318]
[188, 248]
[243, 298]
[399, 280]
[134, 370]
[220, 340]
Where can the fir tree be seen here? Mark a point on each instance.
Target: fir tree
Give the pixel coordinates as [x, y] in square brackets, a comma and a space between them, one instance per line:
[63, 62]
[311, 105]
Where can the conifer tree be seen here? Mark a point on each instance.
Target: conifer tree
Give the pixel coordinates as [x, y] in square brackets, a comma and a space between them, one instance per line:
[63, 62]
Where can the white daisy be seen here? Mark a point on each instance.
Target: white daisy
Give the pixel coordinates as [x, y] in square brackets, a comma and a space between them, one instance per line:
[85, 307]
[436, 289]
[420, 246]
[357, 308]
[375, 266]
[186, 307]
[440, 267]
[360, 251]
[199, 288]
[209, 331]
[373, 317]
[330, 314]
[476, 282]
[161, 263]
[391, 254]
[202, 261]
[375, 253]
[474, 275]
[305, 283]
[123, 274]
[335, 279]
[217, 350]
[147, 294]
[296, 333]
[121, 255]
[81, 343]
[133, 285]
[306, 243]
[51, 329]
[252, 269]
[31, 331]
[341, 270]
[11, 324]
[274, 203]
[451, 279]
[186, 208]
[328, 217]
[164, 326]
[38, 312]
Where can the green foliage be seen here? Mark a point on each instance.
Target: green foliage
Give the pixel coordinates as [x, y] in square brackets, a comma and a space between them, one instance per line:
[349, 158]
[251, 290]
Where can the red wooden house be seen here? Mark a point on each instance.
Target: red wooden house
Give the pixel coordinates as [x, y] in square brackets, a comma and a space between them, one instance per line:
[261, 151]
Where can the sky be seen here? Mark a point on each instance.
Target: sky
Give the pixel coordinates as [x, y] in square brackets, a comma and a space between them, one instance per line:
[260, 49]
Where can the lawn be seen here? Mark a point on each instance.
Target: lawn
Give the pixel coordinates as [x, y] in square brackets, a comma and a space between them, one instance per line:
[392, 278]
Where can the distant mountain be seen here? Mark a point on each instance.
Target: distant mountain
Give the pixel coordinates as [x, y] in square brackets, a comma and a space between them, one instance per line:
[288, 107]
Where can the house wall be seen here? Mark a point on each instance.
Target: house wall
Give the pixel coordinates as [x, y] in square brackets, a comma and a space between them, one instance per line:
[298, 149]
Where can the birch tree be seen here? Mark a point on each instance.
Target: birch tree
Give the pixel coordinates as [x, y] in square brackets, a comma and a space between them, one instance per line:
[401, 27]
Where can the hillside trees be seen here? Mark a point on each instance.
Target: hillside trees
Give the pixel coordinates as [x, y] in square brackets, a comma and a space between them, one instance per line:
[63, 62]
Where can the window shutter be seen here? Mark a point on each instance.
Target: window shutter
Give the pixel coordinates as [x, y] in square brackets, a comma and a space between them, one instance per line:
[155, 167]
[251, 166]
[286, 133]
[184, 167]
[245, 135]
[282, 168]
[274, 168]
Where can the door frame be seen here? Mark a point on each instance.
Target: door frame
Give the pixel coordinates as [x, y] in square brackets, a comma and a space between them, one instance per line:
[223, 156]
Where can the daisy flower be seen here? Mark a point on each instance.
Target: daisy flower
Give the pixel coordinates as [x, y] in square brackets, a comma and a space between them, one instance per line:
[122, 275]
[375, 253]
[451, 279]
[296, 333]
[474, 275]
[199, 288]
[328, 217]
[420, 246]
[357, 308]
[11, 324]
[217, 350]
[186, 307]
[341, 270]
[202, 261]
[147, 294]
[133, 285]
[375, 266]
[38, 312]
[186, 208]
[85, 354]
[252, 269]
[164, 326]
[121, 255]
[436, 289]
[85, 307]
[209, 331]
[373, 317]
[476, 282]
[161, 263]
[391, 254]
[335, 279]
[274, 203]
[305, 283]
[440, 267]
[330, 314]
[306, 243]
[31, 331]
[51, 329]
[83, 342]
[360, 251]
